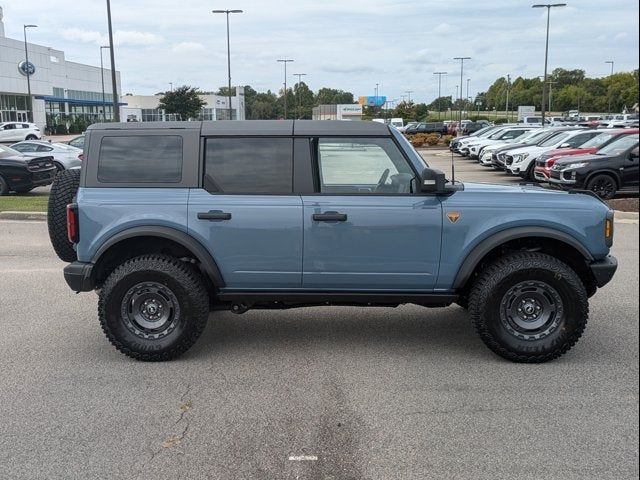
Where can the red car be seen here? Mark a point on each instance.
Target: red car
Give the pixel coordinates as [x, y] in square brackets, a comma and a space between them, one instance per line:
[545, 161]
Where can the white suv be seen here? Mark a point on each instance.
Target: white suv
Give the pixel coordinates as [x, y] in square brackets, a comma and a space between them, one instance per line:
[18, 131]
[521, 161]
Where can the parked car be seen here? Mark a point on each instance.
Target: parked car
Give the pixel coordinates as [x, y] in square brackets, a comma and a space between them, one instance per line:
[21, 174]
[64, 156]
[455, 143]
[77, 142]
[609, 170]
[470, 127]
[363, 221]
[545, 161]
[504, 136]
[17, 131]
[438, 128]
[499, 156]
[522, 160]
[463, 145]
[407, 125]
[532, 137]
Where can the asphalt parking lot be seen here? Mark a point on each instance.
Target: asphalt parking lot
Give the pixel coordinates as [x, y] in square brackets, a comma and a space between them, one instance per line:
[319, 393]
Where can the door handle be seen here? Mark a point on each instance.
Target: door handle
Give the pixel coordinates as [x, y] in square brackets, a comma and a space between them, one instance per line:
[330, 217]
[214, 215]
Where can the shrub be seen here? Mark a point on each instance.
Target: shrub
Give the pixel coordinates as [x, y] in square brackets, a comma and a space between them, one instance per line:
[447, 139]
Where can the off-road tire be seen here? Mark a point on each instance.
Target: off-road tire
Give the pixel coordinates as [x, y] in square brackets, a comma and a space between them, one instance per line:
[492, 287]
[190, 314]
[63, 189]
[4, 188]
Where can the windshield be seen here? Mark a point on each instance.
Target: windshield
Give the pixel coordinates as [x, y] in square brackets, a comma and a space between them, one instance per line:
[551, 141]
[598, 140]
[616, 147]
[477, 133]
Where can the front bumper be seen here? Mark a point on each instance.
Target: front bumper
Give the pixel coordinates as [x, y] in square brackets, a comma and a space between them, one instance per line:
[603, 270]
[78, 276]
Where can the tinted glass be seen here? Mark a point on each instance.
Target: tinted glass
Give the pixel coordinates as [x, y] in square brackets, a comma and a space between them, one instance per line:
[598, 140]
[620, 145]
[25, 147]
[363, 166]
[556, 139]
[249, 165]
[140, 159]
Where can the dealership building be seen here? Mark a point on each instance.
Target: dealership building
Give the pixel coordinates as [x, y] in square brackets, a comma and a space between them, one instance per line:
[63, 92]
[349, 111]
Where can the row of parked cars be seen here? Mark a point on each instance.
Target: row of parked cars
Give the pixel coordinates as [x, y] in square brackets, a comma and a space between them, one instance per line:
[604, 161]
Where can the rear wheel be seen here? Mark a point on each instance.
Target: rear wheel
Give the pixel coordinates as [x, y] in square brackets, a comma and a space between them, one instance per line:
[529, 307]
[153, 307]
[603, 185]
[63, 189]
[31, 137]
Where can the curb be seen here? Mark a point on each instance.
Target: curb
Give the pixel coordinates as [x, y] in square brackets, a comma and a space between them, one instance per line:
[31, 216]
[625, 215]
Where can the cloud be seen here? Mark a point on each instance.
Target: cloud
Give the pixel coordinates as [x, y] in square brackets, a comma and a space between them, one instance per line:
[120, 37]
[188, 47]
[621, 36]
[443, 28]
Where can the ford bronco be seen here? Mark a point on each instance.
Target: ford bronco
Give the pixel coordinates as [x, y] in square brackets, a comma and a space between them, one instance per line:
[170, 221]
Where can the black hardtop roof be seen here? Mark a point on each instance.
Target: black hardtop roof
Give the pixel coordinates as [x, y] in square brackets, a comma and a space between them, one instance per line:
[258, 127]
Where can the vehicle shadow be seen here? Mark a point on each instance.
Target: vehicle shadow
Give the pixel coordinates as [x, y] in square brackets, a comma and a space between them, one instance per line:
[439, 330]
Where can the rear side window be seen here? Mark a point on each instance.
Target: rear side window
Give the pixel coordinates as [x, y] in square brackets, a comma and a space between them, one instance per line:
[140, 159]
[249, 165]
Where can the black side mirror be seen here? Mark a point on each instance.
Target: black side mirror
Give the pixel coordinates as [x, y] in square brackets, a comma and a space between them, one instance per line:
[432, 181]
[633, 153]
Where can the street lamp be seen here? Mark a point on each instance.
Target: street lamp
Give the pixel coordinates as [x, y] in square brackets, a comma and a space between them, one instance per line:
[104, 113]
[299, 75]
[548, 6]
[114, 87]
[439, 89]
[285, 61]
[462, 59]
[227, 12]
[27, 71]
[409, 92]
[609, 103]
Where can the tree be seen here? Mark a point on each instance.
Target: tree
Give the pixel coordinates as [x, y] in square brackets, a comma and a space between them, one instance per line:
[183, 101]
[332, 96]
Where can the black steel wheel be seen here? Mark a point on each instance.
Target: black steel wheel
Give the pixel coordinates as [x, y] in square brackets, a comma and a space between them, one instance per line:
[153, 307]
[529, 307]
[603, 185]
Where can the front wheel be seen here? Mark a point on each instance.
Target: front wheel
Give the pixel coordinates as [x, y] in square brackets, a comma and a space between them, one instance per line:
[603, 185]
[529, 307]
[153, 307]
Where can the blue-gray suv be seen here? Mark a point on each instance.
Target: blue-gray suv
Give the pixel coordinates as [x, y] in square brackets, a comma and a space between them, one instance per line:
[170, 221]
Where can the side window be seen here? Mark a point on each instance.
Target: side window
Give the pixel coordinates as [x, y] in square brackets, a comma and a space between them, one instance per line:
[140, 159]
[25, 147]
[580, 139]
[362, 166]
[249, 165]
[43, 148]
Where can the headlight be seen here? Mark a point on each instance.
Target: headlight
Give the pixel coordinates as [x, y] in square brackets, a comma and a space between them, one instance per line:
[520, 157]
[570, 166]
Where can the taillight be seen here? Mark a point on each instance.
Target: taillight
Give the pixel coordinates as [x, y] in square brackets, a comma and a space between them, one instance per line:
[81, 157]
[73, 232]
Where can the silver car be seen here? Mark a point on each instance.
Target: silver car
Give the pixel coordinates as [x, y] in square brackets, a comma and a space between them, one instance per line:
[64, 156]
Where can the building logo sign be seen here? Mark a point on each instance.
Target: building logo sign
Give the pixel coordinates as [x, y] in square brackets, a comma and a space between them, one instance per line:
[26, 68]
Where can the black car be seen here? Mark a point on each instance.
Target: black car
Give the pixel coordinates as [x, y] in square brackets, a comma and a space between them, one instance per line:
[22, 174]
[471, 127]
[438, 128]
[612, 168]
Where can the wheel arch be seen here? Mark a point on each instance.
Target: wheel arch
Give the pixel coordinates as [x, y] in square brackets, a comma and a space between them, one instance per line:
[612, 173]
[152, 238]
[490, 245]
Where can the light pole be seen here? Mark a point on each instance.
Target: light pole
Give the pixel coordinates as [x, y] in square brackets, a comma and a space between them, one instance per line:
[548, 6]
[409, 92]
[27, 71]
[462, 59]
[171, 86]
[299, 75]
[550, 94]
[104, 113]
[285, 61]
[227, 12]
[466, 105]
[439, 90]
[609, 95]
[114, 87]
[506, 105]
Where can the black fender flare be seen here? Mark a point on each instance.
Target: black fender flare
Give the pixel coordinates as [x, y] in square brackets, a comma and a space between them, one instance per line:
[483, 248]
[201, 253]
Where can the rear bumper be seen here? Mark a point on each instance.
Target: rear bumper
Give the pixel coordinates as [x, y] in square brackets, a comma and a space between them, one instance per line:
[78, 276]
[603, 270]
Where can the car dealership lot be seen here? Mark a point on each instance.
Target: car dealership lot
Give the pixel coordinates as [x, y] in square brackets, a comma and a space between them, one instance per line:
[310, 393]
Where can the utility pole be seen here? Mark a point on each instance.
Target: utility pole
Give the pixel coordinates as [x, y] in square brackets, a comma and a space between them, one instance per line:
[299, 75]
[285, 61]
[114, 87]
[28, 72]
[548, 6]
[462, 59]
[439, 90]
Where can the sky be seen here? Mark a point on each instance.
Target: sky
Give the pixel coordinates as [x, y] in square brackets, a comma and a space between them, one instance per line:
[348, 44]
